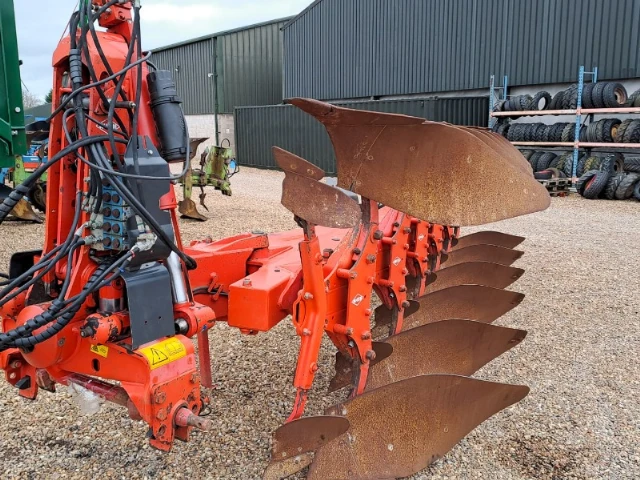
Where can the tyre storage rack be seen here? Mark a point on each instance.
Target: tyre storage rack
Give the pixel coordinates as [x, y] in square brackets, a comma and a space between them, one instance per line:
[583, 116]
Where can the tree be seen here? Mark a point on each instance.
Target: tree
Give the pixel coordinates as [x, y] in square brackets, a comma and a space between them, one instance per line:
[49, 97]
[29, 100]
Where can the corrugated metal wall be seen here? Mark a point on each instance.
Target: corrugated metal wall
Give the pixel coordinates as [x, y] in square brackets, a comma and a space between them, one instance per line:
[191, 65]
[248, 64]
[251, 67]
[362, 48]
[260, 128]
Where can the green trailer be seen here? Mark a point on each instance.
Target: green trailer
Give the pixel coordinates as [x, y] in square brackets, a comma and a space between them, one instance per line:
[13, 139]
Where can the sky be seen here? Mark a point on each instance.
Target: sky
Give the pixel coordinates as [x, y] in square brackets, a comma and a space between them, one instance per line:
[40, 26]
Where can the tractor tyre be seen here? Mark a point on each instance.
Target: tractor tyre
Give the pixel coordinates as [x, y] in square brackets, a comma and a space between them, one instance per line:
[582, 181]
[527, 154]
[555, 133]
[540, 133]
[556, 102]
[593, 163]
[636, 192]
[570, 98]
[600, 130]
[612, 186]
[627, 186]
[610, 129]
[568, 166]
[534, 160]
[545, 160]
[543, 175]
[568, 132]
[634, 132]
[596, 95]
[539, 97]
[622, 128]
[594, 187]
[580, 167]
[632, 99]
[614, 95]
[613, 163]
[586, 95]
[632, 165]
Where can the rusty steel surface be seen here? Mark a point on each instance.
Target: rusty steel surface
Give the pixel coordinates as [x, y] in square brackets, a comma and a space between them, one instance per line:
[488, 238]
[308, 198]
[194, 143]
[457, 347]
[473, 273]
[306, 435]
[383, 315]
[420, 167]
[187, 208]
[292, 163]
[344, 366]
[466, 302]
[481, 253]
[399, 429]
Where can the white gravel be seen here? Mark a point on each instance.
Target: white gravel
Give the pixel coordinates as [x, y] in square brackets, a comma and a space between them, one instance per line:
[581, 420]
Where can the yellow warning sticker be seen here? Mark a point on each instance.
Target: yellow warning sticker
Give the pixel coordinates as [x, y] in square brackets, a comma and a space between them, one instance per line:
[100, 350]
[164, 352]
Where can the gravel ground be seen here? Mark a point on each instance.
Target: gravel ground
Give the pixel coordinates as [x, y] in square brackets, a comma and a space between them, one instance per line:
[581, 420]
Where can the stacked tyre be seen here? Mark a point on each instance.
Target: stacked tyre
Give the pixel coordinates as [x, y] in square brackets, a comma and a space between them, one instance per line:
[609, 181]
[520, 103]
[606, 130]
[594, 95]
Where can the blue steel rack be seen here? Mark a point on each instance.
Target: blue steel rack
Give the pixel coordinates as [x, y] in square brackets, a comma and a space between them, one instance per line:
[579, 113]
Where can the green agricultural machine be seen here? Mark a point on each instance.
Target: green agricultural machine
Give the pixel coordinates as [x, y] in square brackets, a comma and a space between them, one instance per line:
[216, 167]
[13, 137]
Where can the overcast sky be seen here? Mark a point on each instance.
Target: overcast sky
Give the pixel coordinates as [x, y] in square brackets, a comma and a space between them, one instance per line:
[41, 23]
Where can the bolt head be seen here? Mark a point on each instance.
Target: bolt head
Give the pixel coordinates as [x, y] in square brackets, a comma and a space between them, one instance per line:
[308, 296]
[371, 355]
[378, 235]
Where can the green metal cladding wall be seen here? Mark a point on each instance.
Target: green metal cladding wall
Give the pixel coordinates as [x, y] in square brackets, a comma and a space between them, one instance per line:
[248, 63]
[258, 129]
[361, 48]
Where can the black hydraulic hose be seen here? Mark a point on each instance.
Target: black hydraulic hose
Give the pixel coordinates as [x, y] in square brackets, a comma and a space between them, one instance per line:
[43, 263]
[96, 39]
[8, 338]
[84, 46]
[7, 294]
[73, 305]
[23, 189]
[88, 86]
[134, 125]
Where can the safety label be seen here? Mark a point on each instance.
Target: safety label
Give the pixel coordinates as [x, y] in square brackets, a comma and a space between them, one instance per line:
[164, 352]
[100, 350]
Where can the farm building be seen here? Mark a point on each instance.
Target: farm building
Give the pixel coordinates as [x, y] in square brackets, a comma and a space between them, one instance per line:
[432, 58]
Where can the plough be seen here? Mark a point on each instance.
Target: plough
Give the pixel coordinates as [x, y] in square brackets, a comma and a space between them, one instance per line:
[114, 298]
